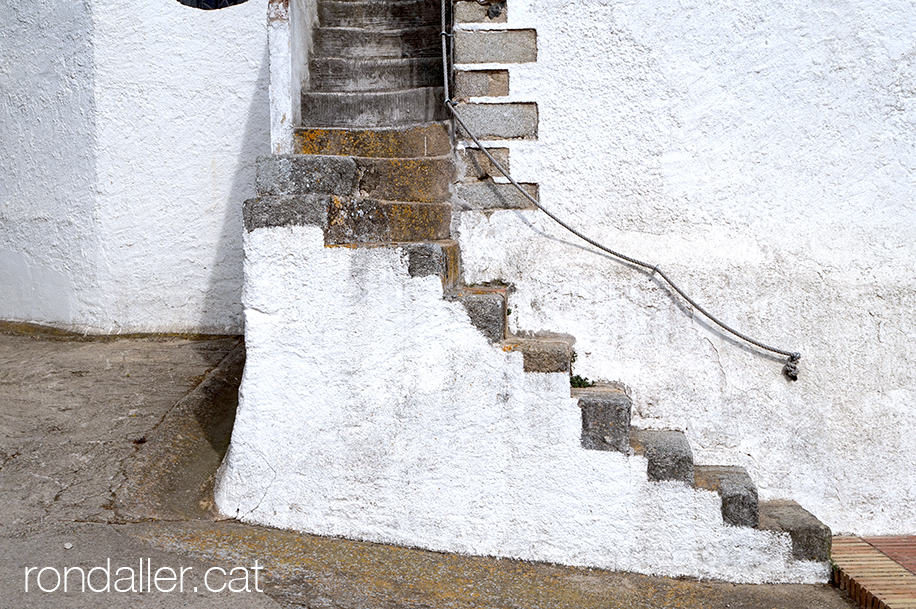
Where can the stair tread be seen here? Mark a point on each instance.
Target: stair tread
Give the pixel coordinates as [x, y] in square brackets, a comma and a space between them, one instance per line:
[599, 389]
[350, 94]
[668, 452]
[425, 139]
[439, 158]
[400, 107]
[740, 506]
[810, 537]
[377, 61]
[549, 354]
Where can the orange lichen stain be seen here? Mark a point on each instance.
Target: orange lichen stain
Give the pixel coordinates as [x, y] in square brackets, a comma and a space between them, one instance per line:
[377, 143]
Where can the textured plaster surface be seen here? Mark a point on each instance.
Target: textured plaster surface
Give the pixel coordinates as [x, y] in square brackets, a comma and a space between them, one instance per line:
[49, 227]
[371, 408]
[763, 154]
[67, 441]
[183, 112]
[129, 140]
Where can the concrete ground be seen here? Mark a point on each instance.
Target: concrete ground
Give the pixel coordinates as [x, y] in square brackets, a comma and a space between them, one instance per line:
[108, 450]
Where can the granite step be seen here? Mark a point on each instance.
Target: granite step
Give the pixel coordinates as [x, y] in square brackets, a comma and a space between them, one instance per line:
[486, 306]
[543, 354]
[432, 139]
[605, 417]
[441, 258]
[423, 179]
[373, 109]
[356, 221]
[810, 537]
[378, 15]
[386, 74]
[377, 44]
[738, 492]
[668, 453]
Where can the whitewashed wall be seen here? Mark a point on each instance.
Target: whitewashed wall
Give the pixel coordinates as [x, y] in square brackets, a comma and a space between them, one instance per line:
[763, 154]
[132, 150]
[48, 223]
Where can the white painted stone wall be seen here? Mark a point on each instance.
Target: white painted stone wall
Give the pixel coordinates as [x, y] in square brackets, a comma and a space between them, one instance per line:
[132, 134]
[48, 222]
[764, 155]
[371, 408]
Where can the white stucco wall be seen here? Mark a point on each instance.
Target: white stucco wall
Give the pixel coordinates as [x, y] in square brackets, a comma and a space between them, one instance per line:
[125, 214]
[371, 408]
[49, 238]
[764, 155]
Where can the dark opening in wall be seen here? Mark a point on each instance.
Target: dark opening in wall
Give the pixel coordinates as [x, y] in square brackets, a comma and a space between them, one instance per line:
[209, 5]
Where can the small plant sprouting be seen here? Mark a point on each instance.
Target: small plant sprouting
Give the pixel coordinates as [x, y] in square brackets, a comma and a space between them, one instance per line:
[580, 382]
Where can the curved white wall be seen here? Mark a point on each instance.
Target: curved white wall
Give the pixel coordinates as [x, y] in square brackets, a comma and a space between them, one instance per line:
[763, 154]
[132, 151]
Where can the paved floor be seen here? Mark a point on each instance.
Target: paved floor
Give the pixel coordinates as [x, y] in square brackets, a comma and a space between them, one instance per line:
[107, 452]
[877, 572]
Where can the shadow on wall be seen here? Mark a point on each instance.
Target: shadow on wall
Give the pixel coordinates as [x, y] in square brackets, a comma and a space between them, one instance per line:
[226, 277]
[208, 5]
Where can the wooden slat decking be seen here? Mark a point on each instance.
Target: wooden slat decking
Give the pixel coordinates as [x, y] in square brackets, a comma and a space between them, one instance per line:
[877, 572]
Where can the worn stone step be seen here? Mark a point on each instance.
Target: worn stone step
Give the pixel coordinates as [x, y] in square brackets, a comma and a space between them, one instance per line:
[736, 489]
[810, 537]
[293, 174]
[605, 417]
[424, 179]
[268, 211]
[360, 221]
[387, 74]
[543, 354]
[440, 258]
[373, 109]
[357, 42]
[380, 15]
[356, 220]
[432, 139]
[486, 306]
[667, 451]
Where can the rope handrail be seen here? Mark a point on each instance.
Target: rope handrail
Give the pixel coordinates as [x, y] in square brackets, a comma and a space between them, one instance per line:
[791, 367]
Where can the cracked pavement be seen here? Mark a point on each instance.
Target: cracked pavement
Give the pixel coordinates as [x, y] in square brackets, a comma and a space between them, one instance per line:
[108, 449]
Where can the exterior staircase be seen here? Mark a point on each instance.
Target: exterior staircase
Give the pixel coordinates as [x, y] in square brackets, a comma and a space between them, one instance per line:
[375, 167]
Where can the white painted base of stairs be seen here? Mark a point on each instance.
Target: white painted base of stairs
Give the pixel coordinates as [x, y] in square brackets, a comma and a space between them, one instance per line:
[371, 408]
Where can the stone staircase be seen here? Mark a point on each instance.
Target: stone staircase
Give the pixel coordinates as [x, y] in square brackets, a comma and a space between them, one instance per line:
[375, 167]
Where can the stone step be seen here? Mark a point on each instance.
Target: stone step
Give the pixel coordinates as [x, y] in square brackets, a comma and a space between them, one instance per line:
[294, 174]
[360, 221]
[348, 74]
[424, 179]
[736, 489]
[432, 139]
[605, 417]
[441, 258]
[810, 537]
[373, 109]
[356, 42]
[543, 354]
[378, 15]
[667, 451]
[486, 306]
